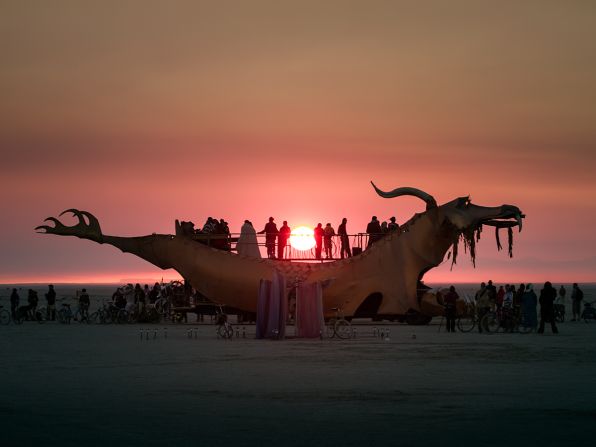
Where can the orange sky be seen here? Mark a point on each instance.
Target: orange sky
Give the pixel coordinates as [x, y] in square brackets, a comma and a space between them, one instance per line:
[143, 112]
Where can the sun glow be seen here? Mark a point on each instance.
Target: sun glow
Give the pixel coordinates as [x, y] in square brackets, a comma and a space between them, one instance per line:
[302, 238]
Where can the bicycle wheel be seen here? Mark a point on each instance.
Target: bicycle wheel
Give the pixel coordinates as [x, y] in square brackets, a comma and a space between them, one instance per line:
[466, 324]
[122, 317]
[93, 318]
[40, 316]
[491, 323]
[4, 317]
[225, 331]
[330, 328]
[343, 329]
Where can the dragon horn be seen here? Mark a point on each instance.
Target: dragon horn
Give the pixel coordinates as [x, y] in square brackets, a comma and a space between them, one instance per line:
[408, 191]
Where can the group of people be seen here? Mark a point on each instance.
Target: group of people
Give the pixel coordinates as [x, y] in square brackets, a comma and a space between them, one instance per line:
[30, 309]
[376, 230]
[247, 243]
[507, 299]
[323, 237]
[212, 227]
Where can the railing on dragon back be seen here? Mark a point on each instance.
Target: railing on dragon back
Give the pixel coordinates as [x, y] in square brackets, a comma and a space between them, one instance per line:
[227, 242]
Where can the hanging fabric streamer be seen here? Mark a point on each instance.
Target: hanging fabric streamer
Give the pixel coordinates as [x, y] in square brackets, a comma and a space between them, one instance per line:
[309, 310]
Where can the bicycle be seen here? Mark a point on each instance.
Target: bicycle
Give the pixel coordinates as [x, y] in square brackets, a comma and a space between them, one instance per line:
[65, 314]
[103, 315]
[4, 316]
[338, 325]
[589, 312]
[224, 328]
[469, 319]
[506, 320]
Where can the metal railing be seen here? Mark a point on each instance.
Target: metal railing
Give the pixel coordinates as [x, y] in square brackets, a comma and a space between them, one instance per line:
[358, 242]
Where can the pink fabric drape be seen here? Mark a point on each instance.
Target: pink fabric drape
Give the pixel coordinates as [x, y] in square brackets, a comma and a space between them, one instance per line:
[309, 310]
[272, 308]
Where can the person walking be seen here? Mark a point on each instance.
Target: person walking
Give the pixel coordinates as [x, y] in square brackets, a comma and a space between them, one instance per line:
[318, 234]
[84, 303]
[51, 303]
[282, 239]
[344, 239]
[14, 303]
[450, 301]
[271, 232]
[576, 300]
[547, 312]
[329, 232]
[529, 301]
[560, 303]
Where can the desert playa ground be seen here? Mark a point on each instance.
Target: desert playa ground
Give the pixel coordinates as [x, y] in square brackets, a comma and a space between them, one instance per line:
[98, 385]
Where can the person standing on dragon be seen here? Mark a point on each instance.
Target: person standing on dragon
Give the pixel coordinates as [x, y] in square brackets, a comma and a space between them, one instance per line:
[271, 233]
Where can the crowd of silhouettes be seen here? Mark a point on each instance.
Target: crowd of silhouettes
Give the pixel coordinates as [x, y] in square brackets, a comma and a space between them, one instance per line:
[278, 238]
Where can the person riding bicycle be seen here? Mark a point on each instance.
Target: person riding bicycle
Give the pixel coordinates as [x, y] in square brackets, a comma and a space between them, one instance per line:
[84, 302]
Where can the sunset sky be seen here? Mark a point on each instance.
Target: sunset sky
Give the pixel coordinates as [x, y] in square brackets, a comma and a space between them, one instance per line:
[142, 112]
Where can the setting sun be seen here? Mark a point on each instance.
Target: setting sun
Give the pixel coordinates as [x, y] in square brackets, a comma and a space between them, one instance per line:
[302, 238]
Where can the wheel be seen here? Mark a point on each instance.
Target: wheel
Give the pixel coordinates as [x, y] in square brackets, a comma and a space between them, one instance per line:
[4, 317]
[63, 316]
[93, 318]
[40, 316]
[330, 328]
[523, 329]
[466, 324]
[153, 316]
[20, 317]
[491, 323]
[343, 329]
[225, 331]
[122, 317]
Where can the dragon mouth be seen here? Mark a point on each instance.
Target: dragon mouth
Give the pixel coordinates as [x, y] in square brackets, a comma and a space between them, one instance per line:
[509, 218]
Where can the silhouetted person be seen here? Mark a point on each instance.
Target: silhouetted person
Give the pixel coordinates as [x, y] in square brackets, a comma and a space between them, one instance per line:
[529, 301]
[374, 231]
[318, 234]
[247, 244]
[282, 239]
[51, 303]
[271, 232]
[393, 226]
[84, 303]
[560, 301]
[482, 304]
[32, 299]
[547, 311]
[329, 232]
[139, 296]
[154, 293]
[342, 232]
[14, 303]
[576, 300]
[450, 301]
[492, 292]
[384, 228]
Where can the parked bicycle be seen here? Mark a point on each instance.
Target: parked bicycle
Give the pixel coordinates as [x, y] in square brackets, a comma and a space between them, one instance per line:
[338, 325]
[468, 320]
[65, 314]
[506, 320]
[589, 312]
[4, 316]
[224, 328]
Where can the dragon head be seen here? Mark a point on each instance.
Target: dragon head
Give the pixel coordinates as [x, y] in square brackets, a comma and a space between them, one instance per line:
[466, 219]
